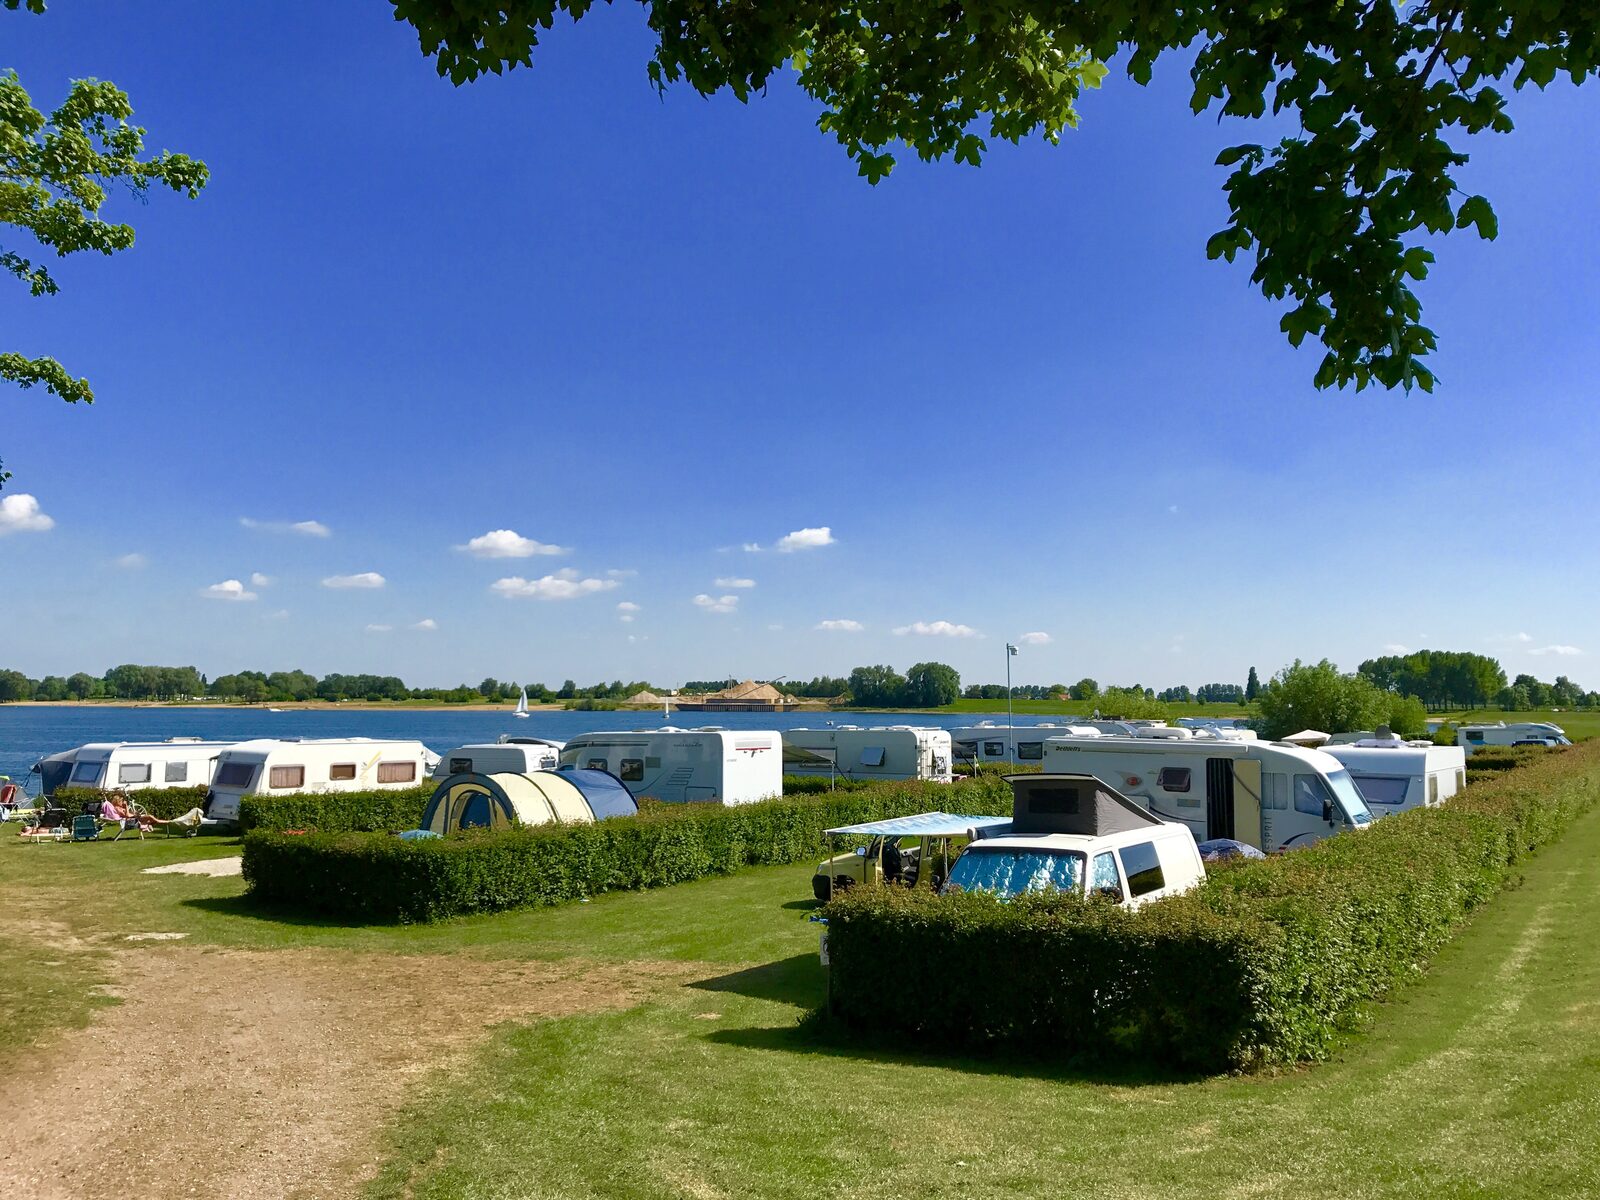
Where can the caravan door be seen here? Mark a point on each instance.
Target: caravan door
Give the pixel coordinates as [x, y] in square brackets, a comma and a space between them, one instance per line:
[1247, 801]
[1219, 798]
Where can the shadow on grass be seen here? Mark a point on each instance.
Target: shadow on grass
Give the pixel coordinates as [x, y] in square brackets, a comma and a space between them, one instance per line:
[798, 981]
[254, 910]
[803, 905]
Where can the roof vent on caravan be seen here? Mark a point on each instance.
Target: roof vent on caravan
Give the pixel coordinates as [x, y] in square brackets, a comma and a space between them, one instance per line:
[1078, 804]
[1163, 731]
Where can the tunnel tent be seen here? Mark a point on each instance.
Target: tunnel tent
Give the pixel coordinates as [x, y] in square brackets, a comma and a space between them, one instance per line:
[472, 800]
[607, 795]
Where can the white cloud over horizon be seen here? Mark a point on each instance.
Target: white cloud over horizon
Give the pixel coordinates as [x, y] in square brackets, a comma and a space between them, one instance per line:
[565, 584]
[228, 589]
[733, 582]
[627, 610]
[937, 629]
[508, 543]
[806, 539]
[132, 562]
[380, 628]
[1036, 638]
[426, 625]
[304, 528]
[257, 579]
[1563, 651]
[20, 513]
[1395, 648]
[365, 579]
[840, 625]
[717, 604]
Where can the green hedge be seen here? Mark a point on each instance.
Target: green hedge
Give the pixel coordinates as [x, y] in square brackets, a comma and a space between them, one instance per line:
[164, 803]
[380, 810]
[1267, 962]
[371, 878]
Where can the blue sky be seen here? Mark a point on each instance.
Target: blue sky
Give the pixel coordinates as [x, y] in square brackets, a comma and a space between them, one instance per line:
[649, 331]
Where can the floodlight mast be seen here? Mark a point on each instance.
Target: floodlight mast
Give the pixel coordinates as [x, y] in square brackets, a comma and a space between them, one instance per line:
[1011, 722]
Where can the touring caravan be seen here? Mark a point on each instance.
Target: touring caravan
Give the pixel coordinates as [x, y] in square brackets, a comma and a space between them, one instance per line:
[510, 755]
[881, 752]
[131, 766]
[1519, 733]
[1268, 794]
[269, 765]
[988, 742]
[709, 765]
[1394, 775]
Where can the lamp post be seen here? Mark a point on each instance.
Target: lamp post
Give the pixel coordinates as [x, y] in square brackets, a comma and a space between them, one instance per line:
[1011, 723]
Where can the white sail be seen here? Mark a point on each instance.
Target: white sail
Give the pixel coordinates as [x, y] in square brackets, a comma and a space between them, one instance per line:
[522, 704]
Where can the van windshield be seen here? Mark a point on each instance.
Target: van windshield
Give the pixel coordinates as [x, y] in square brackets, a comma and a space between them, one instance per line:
[1349, 798]
[1006, 871]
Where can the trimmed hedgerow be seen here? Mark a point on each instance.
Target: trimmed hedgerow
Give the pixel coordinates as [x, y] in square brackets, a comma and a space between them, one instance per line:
[378, 810]
[1267, 962]
[366, 877]
[163, 803]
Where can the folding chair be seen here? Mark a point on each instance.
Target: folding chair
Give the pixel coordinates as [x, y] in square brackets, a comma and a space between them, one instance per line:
[85, 828]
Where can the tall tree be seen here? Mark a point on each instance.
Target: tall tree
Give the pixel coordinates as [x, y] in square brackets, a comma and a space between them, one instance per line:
[1374, 94]
[931, 685]
[55, 173]
[1252, 687]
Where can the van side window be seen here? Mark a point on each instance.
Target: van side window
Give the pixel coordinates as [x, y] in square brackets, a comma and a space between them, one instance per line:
[1103, 877]
[1275, 791]
[397, 772]
[1030, 751]
[286, 777]
[1310, 793]
[342, 771]
[632, 770]
[177, 772]
[1143, 868]
[1174, 779]
[133, 773]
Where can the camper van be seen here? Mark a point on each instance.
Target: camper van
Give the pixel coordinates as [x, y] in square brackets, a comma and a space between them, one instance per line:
[131, 766]
[510, 755]
[1221, 785]
[851, 752]
[1519, 733]
[269, 765]
[709, 765]
[1394, 775]
[988, 742]
[1072, 832]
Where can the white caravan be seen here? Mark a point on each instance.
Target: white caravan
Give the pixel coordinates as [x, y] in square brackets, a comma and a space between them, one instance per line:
[1395, 775]
[1519, 733]
[988, 742]
[131, 766]
[510, 755]
[881, 752]
[1268, 794]
[270, 766]
[709, 765]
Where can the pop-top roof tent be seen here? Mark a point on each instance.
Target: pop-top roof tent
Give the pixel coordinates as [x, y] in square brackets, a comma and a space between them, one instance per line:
[1077, 804]
[471, 800]
[928, 824]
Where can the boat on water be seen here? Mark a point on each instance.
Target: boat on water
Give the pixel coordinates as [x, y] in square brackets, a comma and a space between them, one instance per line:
[522, 705]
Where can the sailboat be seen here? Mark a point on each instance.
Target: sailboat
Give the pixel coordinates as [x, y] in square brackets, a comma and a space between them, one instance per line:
[522, 705]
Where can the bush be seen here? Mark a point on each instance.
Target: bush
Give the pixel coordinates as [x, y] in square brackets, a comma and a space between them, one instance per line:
[164, 803]
[371, 878]
[380, 810]
[1265, 963]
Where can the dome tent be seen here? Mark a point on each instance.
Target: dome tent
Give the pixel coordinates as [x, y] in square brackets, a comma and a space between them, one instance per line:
[473, 800]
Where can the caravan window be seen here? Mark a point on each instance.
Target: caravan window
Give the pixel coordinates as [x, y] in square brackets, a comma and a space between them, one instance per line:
[1461, 779]
[287, 777]
[342, 771]
[86, 772]
[1433, 789]
[994, 749]
[1383, 789]
[1475, 736]
[1030, 751]
[1175, 779]
[397, 772]
[177, 772]
[133, 773]
[1143, 868]
[460, 766]
[235, 774]
[872, 756]
[632, 770]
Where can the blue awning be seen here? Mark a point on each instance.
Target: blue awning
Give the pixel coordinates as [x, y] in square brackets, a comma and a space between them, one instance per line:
[929, 824]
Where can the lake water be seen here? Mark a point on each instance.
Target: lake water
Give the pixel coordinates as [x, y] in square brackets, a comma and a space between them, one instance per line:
[26, 733]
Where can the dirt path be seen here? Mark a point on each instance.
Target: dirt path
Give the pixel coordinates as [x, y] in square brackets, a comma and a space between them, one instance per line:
[256, 1074]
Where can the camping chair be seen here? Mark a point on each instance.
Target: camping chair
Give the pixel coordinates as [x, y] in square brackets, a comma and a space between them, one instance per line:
[186, 825]
[85, 828]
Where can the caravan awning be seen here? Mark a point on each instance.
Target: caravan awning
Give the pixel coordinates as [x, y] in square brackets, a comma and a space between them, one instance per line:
[929, 824]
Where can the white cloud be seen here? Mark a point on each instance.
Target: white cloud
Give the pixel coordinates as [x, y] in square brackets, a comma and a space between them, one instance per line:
[1563, 651]
[563, 585]
[937, 629]
[257, 579]
[380, 628]
[734, 582]
[717, 604]
[775, 628]
[19, 513]
[806, 539]
[751, 547]
[841, 625]
[307, 528]
[508, 543]
[625, 573]
[1520, 637]
[626, 610]
[427, 625]
[366, 579]
[1035, 639]
[228, 589]
[133, 562]
[1395, 648]
[281, 615]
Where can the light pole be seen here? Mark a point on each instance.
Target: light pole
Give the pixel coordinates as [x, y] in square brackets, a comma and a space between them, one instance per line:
[1011, 723]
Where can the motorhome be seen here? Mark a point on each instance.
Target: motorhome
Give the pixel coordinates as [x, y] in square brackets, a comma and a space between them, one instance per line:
[880, 752]
[989, 742]
[1394, 775]
[1271, 795]
[1072, 832]
[709, 765]
[510, 755]
[272, 765]
[1519, 733]
[131, 766]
